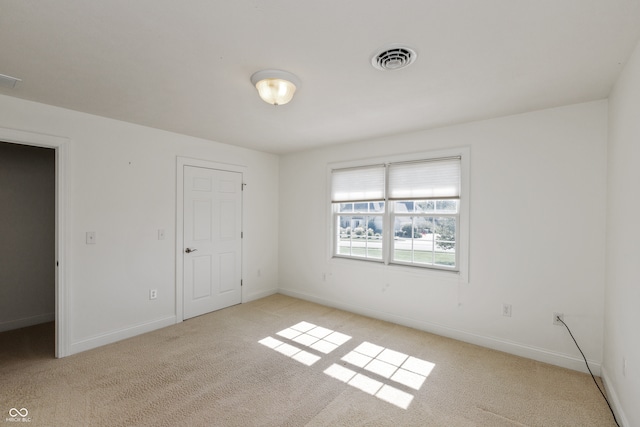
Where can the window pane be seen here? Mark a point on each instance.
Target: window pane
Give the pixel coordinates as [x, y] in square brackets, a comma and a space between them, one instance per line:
[445, 241]
[374, 225]
[374, 237]
[358, 227]
[402, 241]
[445, 258]
[423, 247]
[423, 225]
[376, 207]
[402, 227]
[360, 207]
[404, 206]
[425, 206]
[344, 222]
[344, 235]
[445, 230]
[449, 206]
[346, 207]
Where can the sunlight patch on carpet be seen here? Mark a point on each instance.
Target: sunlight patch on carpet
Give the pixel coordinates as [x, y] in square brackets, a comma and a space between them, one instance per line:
[389, 364]
[381, 372]
[308, 335]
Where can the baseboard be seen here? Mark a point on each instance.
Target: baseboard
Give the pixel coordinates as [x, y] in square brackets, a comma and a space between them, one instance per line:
[119, 335]
[612, 396]
[27, 321]
[518, 349]
[257, 295]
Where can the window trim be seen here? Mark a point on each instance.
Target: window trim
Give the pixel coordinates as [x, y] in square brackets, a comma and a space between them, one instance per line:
[461, 274]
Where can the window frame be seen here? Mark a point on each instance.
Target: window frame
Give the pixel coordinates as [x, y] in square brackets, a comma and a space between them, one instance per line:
[461, 272]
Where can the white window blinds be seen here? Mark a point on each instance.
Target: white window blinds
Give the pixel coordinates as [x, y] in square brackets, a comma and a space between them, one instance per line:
[357, 184]
[431, 179]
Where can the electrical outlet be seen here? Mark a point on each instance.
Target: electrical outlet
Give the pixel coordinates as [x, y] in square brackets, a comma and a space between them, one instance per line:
[506, 310]
[555, 318]
[153, 293]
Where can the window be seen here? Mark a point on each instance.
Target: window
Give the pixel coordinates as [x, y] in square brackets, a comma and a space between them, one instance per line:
[405, 212]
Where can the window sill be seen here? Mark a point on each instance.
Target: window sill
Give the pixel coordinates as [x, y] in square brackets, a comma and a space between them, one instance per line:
[417, 271]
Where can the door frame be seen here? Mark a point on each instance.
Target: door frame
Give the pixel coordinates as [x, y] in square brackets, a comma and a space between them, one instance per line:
[181, 162]
[59, 144]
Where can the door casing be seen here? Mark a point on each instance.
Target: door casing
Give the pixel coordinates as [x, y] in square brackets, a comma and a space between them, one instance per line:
[59, 144]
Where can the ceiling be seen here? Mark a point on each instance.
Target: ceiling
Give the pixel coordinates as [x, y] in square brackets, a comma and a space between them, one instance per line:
[184, 66]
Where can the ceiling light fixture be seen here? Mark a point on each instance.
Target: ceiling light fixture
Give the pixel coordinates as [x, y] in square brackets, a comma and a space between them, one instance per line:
[275, 87]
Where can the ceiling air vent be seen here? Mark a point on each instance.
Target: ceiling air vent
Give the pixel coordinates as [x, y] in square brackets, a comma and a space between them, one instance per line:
[393, 58]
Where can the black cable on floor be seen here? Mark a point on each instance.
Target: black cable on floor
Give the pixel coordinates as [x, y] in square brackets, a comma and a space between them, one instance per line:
[589, 369]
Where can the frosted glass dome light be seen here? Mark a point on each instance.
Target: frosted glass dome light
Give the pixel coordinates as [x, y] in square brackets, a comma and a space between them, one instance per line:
[275, 87]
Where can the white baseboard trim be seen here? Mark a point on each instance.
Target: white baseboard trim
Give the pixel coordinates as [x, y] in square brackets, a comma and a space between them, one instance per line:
[613, 398]
[119, 335]
[518, 349]
[257, 295]
[10, 325]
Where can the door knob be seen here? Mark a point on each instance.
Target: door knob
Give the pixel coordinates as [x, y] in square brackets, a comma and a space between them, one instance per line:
[189, 250]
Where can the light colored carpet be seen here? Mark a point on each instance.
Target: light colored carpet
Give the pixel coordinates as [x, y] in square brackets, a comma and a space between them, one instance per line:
[228, 368]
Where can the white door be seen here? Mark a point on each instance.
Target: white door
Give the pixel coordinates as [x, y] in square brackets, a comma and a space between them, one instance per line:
[212, 240]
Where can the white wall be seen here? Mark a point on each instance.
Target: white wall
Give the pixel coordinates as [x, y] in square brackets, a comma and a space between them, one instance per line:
[27, 236]
[622, 314]
[537, 215]
[122, 185]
